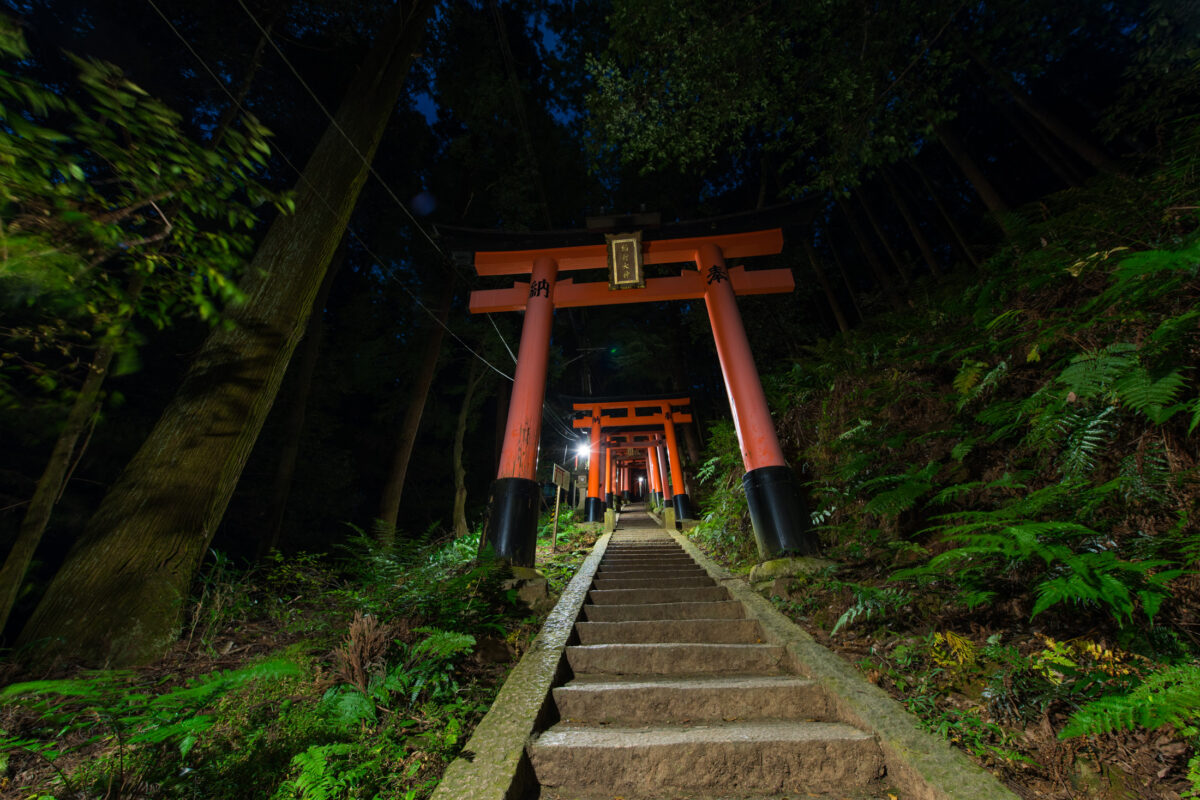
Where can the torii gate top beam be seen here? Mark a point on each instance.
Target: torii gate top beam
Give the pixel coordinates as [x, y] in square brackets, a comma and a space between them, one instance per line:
[659, 251]
[689, 285]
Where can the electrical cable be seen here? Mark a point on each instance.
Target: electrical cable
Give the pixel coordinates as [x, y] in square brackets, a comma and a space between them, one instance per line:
[362, 243]
[333, 121]
[547, 413]
[502, 339]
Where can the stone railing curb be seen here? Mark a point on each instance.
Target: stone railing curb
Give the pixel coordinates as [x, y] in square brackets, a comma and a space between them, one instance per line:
[493, 764]
[921, 765]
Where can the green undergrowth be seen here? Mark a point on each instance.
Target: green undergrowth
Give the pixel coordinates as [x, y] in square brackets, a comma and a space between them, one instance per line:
[1006, 476]
[357, 674]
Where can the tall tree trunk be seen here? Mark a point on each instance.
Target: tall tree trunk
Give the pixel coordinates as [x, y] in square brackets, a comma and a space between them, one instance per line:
[293, 426]
[827, 287]
[117, 599]
[913, 227]
[841, 268]
[881, 277]
[882, 236]
[474, 376]
[50, 485]
[252, 70]
[1043, 149]
[955, 232]
[393, 485]
[983, 187]
[1048, 119]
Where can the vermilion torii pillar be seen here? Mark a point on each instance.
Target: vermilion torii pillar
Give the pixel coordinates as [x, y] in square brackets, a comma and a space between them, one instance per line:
[781, 522]
[645, 413]
[593, 506]
[511, 528]
[680, 499]
[608, 477]
[516, 495]
[660, 457]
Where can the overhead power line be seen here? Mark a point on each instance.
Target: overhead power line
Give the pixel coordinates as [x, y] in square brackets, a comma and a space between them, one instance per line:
[366, 248]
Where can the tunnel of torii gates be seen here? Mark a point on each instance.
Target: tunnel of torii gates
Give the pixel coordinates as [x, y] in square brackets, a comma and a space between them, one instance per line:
[781, 523]
[618, 429]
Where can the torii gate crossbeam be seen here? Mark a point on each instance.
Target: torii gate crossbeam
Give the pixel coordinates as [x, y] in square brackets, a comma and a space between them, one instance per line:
[780, 521]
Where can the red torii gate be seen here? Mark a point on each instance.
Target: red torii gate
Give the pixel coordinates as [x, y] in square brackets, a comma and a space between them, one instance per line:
[652, 412]
[776, 511]
[653, 443]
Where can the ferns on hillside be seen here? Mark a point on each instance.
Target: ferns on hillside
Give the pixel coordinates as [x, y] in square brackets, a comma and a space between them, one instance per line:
[1170, 695]
[1087, 436]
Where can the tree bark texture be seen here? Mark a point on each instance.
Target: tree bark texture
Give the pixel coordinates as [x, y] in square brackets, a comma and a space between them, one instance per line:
[827, 287]
[117, 599]
[393, 486]
[841, 268]
[952, 226]
[882, 236]
[882, 280]
[983, 187]
[293, 425]
[474, 376]
[1048, 119]
[913, 227]
[50, 485]
[1043, 149]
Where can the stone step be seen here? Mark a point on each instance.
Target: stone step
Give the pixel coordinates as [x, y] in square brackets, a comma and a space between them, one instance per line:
[710, 699]
[658, 582]
[666, 572]
[724, 609]
[673, 554]
[644, 563]
[703, 594]
[729, 758]
[674, 658]
[714, 631]
[647, 546]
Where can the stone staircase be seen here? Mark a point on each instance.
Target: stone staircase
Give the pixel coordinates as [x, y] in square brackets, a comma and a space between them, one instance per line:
[674, 694]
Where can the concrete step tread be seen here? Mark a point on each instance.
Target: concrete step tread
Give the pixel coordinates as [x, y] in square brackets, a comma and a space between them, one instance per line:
[676, 682]
[632, 612]
[872, 792]
[745, 758]
[764, 731]
[676, 658]
[611, 575]
[647, 596]
[691, 700]
[712, 631]
[662, 582]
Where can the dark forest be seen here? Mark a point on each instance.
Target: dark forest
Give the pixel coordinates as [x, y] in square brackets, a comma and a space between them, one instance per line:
[249, 426]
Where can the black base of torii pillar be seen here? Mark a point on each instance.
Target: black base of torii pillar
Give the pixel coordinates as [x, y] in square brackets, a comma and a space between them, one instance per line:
[781, 521]
[516, 496]
[593, 510]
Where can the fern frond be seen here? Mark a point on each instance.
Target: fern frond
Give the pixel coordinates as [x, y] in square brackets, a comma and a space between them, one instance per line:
[1154, 398]
[968, 376]
[1004, 319]
[1169, 696]
[443, 645]
[1093, 373]
[1087, 436]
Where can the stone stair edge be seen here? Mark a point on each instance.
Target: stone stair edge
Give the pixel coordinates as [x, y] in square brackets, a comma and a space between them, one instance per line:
[498, 766]
[919, 764]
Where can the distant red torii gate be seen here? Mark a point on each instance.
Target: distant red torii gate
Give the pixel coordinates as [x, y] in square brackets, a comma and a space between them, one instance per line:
[664, 412]
[778, 515]
[654, 459]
